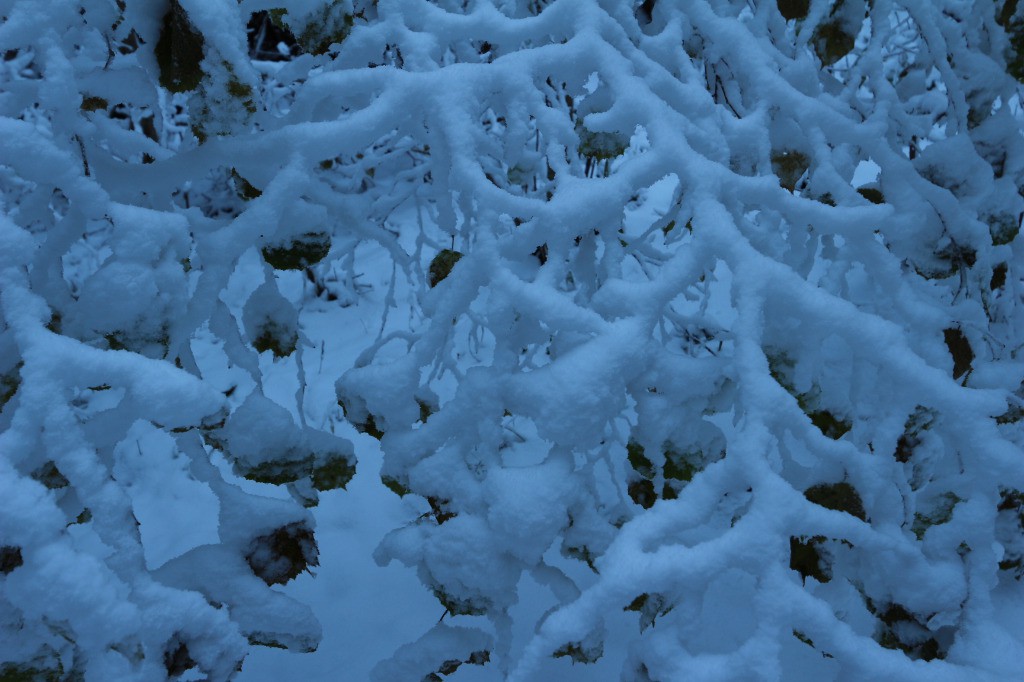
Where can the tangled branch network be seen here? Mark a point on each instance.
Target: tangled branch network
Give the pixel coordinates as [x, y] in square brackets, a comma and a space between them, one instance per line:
[700, 314]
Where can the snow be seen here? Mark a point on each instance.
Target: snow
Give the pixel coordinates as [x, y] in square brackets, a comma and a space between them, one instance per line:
[512, 341]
